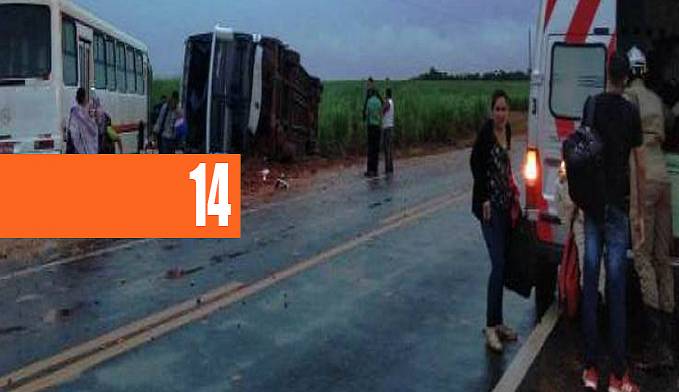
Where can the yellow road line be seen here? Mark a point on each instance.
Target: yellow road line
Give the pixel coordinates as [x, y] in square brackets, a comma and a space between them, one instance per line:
[73, 362]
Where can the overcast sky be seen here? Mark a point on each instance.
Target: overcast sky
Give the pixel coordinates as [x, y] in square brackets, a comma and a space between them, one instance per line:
[342, 39]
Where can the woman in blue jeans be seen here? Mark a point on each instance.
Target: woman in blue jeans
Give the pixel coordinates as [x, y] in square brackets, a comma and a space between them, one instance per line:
[492, 201]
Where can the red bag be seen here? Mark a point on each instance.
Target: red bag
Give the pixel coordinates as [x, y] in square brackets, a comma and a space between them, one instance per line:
[569, 276]
[515, 210]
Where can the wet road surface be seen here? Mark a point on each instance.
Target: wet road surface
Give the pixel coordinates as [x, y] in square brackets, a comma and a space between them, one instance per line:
[399, 310]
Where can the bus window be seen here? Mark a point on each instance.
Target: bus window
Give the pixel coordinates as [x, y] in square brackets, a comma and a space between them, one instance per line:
[578, 71]
[131, 77]
[140, 73]
[25, 49]
[99, 62]
[120, 66]
[70, 53]
[110, 64]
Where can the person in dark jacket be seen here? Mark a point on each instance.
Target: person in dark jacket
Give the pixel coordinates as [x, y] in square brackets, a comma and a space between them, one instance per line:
[493, 198]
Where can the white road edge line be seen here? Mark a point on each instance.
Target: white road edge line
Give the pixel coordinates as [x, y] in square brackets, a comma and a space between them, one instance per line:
[73, 259]
[519, 367]
[69, 364]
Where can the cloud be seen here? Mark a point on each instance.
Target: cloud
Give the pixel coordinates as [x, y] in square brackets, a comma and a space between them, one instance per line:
[342, 39]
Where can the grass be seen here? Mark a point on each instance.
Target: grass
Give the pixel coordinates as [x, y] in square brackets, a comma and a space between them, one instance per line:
[426, 111]
[163, 87]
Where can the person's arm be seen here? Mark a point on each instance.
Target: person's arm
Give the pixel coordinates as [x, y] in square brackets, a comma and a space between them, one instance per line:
[120, 146]
[387, 106]
[640, 169]
[478, 162]
[365, 108]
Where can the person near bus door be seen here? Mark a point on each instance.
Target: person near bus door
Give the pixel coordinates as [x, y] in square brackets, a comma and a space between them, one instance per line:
[652, 255]
[493, 198]
[83, 134]
[164, 128]
[388, 132]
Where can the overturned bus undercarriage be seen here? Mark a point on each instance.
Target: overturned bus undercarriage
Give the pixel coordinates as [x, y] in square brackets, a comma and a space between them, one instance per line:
[249, 95]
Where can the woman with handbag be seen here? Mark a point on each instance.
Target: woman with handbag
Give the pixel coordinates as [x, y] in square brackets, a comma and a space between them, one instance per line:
[494, 204]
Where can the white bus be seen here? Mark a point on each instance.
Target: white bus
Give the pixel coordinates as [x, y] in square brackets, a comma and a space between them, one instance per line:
[50, 48]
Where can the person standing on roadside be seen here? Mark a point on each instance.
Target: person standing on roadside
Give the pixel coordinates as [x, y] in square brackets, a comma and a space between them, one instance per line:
[373, 115]
[652, 256]
[493, 198]
[389, 113]
[83, 134]
[164, 128]
[618, 124]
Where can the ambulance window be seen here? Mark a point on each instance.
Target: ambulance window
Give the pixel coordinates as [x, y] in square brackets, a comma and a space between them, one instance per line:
[578, 71]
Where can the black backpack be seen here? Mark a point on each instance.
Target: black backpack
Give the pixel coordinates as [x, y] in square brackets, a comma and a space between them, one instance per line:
[583, 155]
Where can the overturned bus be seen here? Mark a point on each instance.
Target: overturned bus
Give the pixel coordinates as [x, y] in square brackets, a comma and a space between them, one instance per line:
[248, 94]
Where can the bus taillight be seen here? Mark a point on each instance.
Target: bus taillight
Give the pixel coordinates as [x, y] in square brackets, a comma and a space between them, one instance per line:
[46, 144]
[6, 147]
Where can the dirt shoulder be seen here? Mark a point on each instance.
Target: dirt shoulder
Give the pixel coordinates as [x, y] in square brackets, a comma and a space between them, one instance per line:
[262, 182]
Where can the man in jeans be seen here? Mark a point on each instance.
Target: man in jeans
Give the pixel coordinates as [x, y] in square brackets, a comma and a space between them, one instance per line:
[618, 124]
[373, 114]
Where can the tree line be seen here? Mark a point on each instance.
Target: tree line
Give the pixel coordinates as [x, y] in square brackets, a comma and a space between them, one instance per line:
[498, 75]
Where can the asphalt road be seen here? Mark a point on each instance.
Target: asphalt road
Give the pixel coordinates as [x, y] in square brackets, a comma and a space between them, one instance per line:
[351, 285]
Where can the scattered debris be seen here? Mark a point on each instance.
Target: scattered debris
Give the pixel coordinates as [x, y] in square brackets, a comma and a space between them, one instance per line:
[28, 298]
[178, 273]
[54, 315]
[12, 330]
[236, 255]
[282, 184]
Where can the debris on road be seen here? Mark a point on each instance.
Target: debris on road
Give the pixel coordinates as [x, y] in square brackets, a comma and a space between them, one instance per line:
[282, 184]
[178, 273]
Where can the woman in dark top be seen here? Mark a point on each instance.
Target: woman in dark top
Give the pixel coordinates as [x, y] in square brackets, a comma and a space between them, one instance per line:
[492, 202]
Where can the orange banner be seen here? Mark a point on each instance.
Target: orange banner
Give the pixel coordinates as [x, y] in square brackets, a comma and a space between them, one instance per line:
[120, 196]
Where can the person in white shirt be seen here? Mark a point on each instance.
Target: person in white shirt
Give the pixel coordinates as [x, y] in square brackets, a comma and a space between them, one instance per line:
[388, 132]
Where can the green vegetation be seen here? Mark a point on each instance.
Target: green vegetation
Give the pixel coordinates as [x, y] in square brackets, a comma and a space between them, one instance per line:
[426, 111]
[163, 87]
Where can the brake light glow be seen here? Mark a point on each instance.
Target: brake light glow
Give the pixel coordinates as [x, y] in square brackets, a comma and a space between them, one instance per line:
[530, 169]
[6, 147]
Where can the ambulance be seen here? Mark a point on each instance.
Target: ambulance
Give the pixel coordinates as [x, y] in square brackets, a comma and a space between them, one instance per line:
[574, 40]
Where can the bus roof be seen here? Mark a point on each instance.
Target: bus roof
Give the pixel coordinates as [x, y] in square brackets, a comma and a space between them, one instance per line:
[86, 17]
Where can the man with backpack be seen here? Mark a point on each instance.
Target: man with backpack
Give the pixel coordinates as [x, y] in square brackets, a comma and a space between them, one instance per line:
[617, 124]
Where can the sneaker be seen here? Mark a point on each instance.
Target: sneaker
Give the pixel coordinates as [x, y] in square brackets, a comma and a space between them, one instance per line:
[507, 334]
[493, 339]
[590, 379]
[622, 385]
